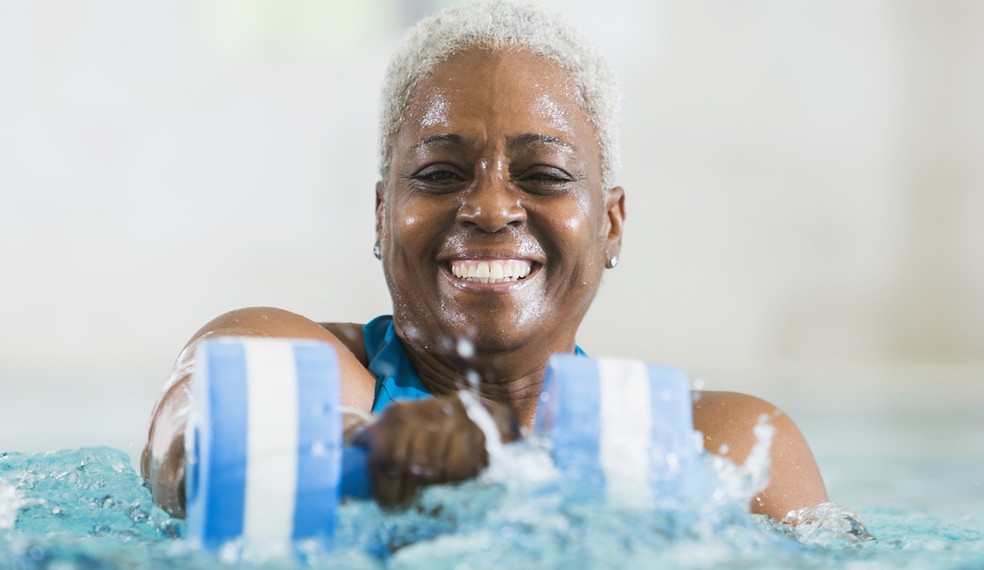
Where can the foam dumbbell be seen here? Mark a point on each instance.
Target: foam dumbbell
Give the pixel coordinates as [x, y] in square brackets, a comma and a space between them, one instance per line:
[619, 427]
[265, 458]
[263, 447]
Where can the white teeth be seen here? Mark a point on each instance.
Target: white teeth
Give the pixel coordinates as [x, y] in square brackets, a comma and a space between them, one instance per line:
[491, 270]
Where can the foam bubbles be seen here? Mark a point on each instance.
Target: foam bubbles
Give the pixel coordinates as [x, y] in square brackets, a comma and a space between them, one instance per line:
[10, 502]
[87, 508]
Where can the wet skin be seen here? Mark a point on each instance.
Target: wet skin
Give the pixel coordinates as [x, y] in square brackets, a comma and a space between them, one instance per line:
[495, 161]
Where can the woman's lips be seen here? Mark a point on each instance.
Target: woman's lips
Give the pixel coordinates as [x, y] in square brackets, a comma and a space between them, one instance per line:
[490, 270]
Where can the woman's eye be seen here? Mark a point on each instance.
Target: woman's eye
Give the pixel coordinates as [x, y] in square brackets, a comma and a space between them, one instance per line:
[546, 180]
[436, 176]
[437, 179]
[546, 177]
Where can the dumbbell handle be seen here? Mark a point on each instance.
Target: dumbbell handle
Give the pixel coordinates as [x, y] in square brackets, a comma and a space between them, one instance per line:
[354, 482]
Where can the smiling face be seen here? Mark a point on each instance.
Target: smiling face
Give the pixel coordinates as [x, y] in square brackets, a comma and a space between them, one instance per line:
[492, 220]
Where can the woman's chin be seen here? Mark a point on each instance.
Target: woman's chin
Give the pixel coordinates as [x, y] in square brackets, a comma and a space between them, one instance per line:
[496, 334]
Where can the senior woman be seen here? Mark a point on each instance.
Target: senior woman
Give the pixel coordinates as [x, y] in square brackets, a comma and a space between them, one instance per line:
[497, 213]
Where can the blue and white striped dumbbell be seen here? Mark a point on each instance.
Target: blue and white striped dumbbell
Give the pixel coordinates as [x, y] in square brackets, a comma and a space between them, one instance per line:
[622, 428]
[264, 449]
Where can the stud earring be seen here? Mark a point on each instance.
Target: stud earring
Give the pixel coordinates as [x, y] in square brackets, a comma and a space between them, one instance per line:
[375, 251]
[613, 262]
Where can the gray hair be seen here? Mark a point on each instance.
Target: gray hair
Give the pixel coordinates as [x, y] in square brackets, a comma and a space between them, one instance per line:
[498, 25]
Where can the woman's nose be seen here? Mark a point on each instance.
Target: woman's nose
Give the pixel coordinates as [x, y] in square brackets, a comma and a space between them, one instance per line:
[492, 204]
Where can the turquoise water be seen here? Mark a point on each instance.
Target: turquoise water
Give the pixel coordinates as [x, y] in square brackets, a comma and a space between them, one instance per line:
[86, 508]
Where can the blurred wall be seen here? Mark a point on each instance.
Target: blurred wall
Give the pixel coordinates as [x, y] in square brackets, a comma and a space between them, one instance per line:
[804, 183]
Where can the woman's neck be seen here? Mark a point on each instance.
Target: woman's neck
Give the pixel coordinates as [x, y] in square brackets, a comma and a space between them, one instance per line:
[511, 378]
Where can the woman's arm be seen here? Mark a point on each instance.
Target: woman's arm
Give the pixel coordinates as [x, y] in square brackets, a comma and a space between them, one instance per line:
[727, 420]
[162, 461]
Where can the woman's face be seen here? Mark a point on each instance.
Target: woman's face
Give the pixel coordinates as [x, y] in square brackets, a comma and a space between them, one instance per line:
[492, 220]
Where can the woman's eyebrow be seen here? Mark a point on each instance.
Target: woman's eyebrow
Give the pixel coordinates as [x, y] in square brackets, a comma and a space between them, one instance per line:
[523, 140]
[439, 138]
[538, 139]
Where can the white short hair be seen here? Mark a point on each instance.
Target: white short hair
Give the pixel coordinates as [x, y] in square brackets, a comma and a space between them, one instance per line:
[498, 25]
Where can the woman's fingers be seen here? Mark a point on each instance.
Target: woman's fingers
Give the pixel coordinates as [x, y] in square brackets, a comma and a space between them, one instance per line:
[387, 447]
[466, 454]
[505, 420]
[427, 442]
[166, 477]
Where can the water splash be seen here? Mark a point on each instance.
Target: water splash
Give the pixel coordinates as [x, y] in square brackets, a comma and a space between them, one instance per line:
[741, 483]
[826, 524]
[87, 509]
[465, 348]
[481, 417]
[10, 503]
[86, 492]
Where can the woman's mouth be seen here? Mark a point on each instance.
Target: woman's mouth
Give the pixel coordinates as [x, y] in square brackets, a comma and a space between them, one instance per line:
[491, 270]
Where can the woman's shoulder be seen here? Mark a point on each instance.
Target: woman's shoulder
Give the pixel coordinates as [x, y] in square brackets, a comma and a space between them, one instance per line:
[728, 422]
[358, 385]
[710, 404]
[352, 336]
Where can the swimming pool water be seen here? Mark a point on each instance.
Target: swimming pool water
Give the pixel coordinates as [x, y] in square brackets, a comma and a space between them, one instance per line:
[86, 508]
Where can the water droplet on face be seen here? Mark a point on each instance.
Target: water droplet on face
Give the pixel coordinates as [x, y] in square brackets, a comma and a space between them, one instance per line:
[436, 110]
[445, 344]
[465, 348]
[473, 379]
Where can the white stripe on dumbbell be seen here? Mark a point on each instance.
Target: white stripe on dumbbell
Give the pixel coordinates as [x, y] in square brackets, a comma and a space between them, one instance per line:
[626, 423]
[271, 470]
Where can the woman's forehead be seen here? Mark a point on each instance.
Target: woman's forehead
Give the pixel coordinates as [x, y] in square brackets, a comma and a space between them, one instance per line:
[506, 89]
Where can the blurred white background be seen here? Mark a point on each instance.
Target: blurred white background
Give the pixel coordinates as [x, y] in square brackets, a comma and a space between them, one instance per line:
[804, 180]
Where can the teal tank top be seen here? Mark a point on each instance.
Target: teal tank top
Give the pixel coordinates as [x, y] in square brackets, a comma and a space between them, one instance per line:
[396, 380]
[395, 377]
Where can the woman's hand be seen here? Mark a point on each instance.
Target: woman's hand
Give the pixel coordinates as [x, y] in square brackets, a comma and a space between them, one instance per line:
[162, 462]
[166, 476]
[428, 442]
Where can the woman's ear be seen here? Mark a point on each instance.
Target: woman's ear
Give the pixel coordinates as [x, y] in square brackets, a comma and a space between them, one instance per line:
[379, 209]
[615, 207]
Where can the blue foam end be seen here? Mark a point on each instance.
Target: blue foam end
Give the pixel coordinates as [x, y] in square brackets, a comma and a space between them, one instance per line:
[586, 442]
[217, 440]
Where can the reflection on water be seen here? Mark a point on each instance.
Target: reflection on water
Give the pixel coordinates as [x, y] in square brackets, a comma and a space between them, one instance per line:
[86, 508]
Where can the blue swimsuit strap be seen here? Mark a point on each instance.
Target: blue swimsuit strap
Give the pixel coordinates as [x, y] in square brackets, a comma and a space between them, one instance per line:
[395, 377]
